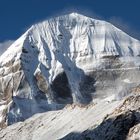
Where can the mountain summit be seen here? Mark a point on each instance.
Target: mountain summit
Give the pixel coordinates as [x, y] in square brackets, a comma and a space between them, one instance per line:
[65, 60]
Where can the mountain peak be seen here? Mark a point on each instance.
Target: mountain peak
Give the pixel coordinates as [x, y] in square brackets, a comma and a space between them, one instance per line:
[78, 15]
[56, 62]
[75, 14]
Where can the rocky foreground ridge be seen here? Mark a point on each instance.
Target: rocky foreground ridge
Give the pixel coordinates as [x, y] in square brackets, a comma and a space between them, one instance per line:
[116, 120]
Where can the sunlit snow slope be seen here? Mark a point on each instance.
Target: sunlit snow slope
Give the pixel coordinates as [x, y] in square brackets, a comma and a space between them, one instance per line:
[64, 60]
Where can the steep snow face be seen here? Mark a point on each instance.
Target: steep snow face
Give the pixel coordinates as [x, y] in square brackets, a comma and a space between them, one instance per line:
[68, 59]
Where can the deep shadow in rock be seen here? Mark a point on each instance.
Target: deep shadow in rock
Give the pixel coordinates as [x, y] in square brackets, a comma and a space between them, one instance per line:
[87, 87]
[116, 128]
[62, 91]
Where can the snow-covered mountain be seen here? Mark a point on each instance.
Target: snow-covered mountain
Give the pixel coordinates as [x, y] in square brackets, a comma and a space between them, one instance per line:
[4, 45]
[64, 60]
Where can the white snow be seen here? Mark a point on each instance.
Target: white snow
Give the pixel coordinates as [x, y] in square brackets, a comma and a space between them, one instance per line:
[127, 81]
[57, 124]
[75, 44]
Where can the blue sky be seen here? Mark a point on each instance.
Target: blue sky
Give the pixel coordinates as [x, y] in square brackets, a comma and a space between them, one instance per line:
[18, 15]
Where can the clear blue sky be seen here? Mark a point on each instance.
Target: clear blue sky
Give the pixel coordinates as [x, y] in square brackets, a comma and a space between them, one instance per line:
[18, 15]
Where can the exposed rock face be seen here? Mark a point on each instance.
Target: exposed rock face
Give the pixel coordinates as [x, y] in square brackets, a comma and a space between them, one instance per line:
[134, 133]
[121, 124]
[65, 60]
[62, 91]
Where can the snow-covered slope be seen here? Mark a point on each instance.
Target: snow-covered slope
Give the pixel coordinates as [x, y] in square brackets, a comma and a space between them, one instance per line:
[116, 120]
[4, 45]
[64, 60]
